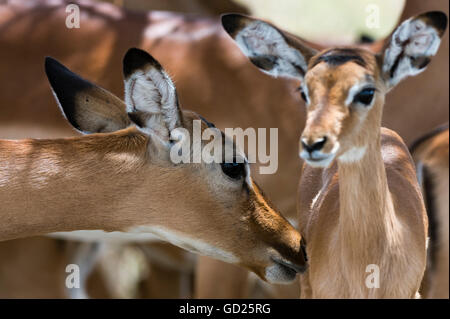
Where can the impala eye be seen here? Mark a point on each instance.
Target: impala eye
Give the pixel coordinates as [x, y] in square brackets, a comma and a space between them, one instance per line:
[364, 97]
[233, 170]
[302, 93]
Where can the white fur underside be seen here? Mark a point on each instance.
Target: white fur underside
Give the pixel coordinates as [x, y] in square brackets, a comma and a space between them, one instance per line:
[110, 237]
[186, 242]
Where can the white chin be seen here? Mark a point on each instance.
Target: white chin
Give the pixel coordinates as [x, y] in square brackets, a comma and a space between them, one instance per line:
[277, 274]
[323, 163]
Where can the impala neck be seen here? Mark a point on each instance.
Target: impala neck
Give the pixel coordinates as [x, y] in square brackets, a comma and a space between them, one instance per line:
[367, 213]
[68, 184]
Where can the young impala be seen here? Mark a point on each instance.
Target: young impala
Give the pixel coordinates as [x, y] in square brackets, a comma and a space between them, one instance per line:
[123, 179]
[360, 206]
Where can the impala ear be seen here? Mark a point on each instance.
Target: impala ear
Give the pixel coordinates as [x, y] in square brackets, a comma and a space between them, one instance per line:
[89, 108]
[411, 46]
[270, 49]
[150, 95]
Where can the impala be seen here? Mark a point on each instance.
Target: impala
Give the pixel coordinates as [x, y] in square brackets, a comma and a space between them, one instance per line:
[431, 156]
[359, 201]
[123, 179]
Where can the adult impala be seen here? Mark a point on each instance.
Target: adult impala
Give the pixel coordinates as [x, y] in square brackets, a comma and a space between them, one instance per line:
[360, 205]
[123, 179]
[431, 156]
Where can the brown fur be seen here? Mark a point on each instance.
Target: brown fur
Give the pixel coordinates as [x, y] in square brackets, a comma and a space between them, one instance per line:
[340, 244]
[432, 157]
[110, 181]
[206, 7]
[213, 272]
[210, 53]
[366, 212]
[363, 207]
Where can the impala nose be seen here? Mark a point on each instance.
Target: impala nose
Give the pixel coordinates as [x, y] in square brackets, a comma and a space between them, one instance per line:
[287, 265]
[311, 146]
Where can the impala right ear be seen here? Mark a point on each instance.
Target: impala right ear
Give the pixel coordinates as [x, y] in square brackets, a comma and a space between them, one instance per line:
[270, 49]
[89, 108]
[412, 46]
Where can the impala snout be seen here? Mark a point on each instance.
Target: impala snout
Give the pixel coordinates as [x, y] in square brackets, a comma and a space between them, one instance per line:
[284, 255]
[285, 267]
[317, 150]
[315, 145]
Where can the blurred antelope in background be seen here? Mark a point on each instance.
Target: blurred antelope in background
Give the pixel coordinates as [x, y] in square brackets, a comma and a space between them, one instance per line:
[122, 180]
[431, 156]
[203, 7]
[359, 201]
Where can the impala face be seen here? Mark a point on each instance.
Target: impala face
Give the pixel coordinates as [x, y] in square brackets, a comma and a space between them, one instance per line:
[214, 209]
[343, 88]
[340, 89]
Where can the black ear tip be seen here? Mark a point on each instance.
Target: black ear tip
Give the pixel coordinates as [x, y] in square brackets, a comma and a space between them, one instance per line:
[438, 19]
[49, 61]
[232, 22]
[52, 66]
[59, 76]
[66, 85]
[136, 59]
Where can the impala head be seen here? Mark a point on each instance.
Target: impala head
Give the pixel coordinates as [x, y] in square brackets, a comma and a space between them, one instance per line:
[213, 209]
[343, 88]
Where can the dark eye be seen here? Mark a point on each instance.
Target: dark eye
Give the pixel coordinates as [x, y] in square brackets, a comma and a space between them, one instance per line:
[364, 97]
[233, 170]
[302, 93]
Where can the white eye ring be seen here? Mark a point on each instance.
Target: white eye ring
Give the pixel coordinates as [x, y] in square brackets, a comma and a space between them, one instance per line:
[355, 90]
[365, 96]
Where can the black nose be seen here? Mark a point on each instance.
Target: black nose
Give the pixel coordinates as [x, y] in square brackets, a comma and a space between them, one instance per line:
[315, 146]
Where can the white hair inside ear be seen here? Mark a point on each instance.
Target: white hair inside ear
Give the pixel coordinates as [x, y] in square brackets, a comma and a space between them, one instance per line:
[409, 50]
[151, 96]
[267, 48]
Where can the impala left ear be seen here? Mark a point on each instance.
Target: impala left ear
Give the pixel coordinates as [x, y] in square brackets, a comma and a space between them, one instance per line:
[150, 95]
[411, 46]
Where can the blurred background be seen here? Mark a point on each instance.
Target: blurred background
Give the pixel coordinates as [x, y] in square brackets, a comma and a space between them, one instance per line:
[344, 21]
[214, 79]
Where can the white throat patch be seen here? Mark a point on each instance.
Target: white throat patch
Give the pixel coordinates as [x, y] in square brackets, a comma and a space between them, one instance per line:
[353, 155]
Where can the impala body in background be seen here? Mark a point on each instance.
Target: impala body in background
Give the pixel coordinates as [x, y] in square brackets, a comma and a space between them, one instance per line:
[124, 180]
[431, 156]
[203, 7]
[360, 205]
